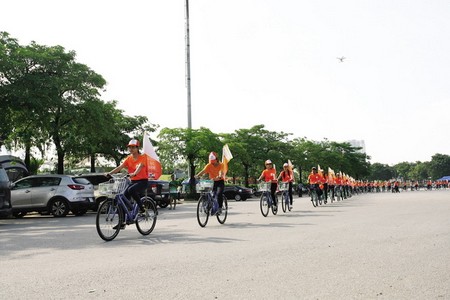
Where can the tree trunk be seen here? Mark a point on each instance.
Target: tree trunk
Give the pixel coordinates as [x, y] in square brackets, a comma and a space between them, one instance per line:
[93, 163]
[27, 159]
[192, 191]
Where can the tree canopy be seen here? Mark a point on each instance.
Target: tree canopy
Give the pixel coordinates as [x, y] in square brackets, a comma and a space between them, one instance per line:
[50, 100]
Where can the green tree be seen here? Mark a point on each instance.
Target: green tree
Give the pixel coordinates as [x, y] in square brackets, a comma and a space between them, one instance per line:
[252, 147]
[380, 171]
[403, 170]
[420, 171]
[191, 145]
[49, 85]
[439, 166]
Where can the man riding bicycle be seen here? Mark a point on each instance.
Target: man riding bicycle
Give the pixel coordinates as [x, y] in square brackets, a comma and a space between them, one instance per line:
[314, 180]
[215, 171]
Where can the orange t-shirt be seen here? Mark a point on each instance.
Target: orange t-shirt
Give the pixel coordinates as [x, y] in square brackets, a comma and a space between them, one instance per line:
[213, 171]
[286, 176]
[314, 178]
[132, 164]
[269, 175]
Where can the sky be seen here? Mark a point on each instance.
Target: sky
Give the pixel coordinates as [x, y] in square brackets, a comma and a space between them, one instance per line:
[271, 62]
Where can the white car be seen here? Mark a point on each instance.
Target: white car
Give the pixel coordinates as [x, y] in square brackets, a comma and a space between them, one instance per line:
[51, 193]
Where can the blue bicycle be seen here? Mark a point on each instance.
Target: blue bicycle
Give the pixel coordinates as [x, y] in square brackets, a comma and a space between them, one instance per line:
[208, 204]
[285, 199]
[117, 210]
[266, 202]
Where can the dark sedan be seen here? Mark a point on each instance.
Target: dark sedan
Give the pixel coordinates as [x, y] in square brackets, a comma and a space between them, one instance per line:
[237, 193]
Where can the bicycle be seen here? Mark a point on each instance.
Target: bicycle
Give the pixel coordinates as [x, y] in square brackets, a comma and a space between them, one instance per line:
[208, 204]
[338, 192]
[266, 201]
[315, 198]
[285, 199]
[115, 211]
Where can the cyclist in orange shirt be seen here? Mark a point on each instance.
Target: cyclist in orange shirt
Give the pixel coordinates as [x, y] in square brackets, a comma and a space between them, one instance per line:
[314, 180]
[136, 164]
[287, 176]
[214, 169]
[269, 175]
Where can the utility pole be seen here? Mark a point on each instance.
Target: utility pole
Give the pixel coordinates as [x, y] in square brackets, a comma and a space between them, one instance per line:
[191, 167]
[188, 68]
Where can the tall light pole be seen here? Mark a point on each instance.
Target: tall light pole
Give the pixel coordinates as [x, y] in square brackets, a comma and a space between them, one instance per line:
[191, 167]
[188, 67]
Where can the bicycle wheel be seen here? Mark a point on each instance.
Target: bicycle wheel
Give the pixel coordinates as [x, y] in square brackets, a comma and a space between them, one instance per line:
[145, 222]
[109, 219]
[203, 210]
[284, 202]
[314, 198]
[275, 206]
[264, 204]
[222, 217]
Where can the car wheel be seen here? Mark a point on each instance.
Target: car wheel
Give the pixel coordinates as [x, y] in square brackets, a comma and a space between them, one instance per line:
[59, 208]
[237, 197]
[19, 214]
[164, 202]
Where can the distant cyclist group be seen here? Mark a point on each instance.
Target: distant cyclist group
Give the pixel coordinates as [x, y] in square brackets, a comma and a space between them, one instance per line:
[128, 203]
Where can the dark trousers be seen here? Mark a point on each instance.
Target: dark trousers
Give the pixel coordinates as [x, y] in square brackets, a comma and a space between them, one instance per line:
[290, 192]
[135, 190]
[273, 191]
[218, 187]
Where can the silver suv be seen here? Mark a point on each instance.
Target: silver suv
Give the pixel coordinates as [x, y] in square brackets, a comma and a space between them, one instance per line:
[51, 193]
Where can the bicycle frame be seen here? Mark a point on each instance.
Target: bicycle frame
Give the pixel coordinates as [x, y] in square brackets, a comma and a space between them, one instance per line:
[269, 197]
[212, 200]
[208, 205]
[129, 214]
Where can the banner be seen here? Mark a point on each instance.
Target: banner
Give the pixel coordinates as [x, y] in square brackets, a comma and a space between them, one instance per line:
[153, 164]
[226, 157]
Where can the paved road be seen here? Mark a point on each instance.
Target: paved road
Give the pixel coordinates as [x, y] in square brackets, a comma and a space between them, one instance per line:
[377, 246]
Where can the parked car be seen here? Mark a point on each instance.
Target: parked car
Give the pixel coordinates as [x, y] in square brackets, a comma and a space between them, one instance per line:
[237, 193]
[14, 167]
[159, 191]
[96, 179]
[51, 193]
[5, 194]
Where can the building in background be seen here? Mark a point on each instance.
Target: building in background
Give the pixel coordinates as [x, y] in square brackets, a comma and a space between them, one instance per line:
[358, 143]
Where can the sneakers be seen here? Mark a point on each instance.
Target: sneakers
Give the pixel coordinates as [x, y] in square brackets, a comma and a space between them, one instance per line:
[122, 226]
